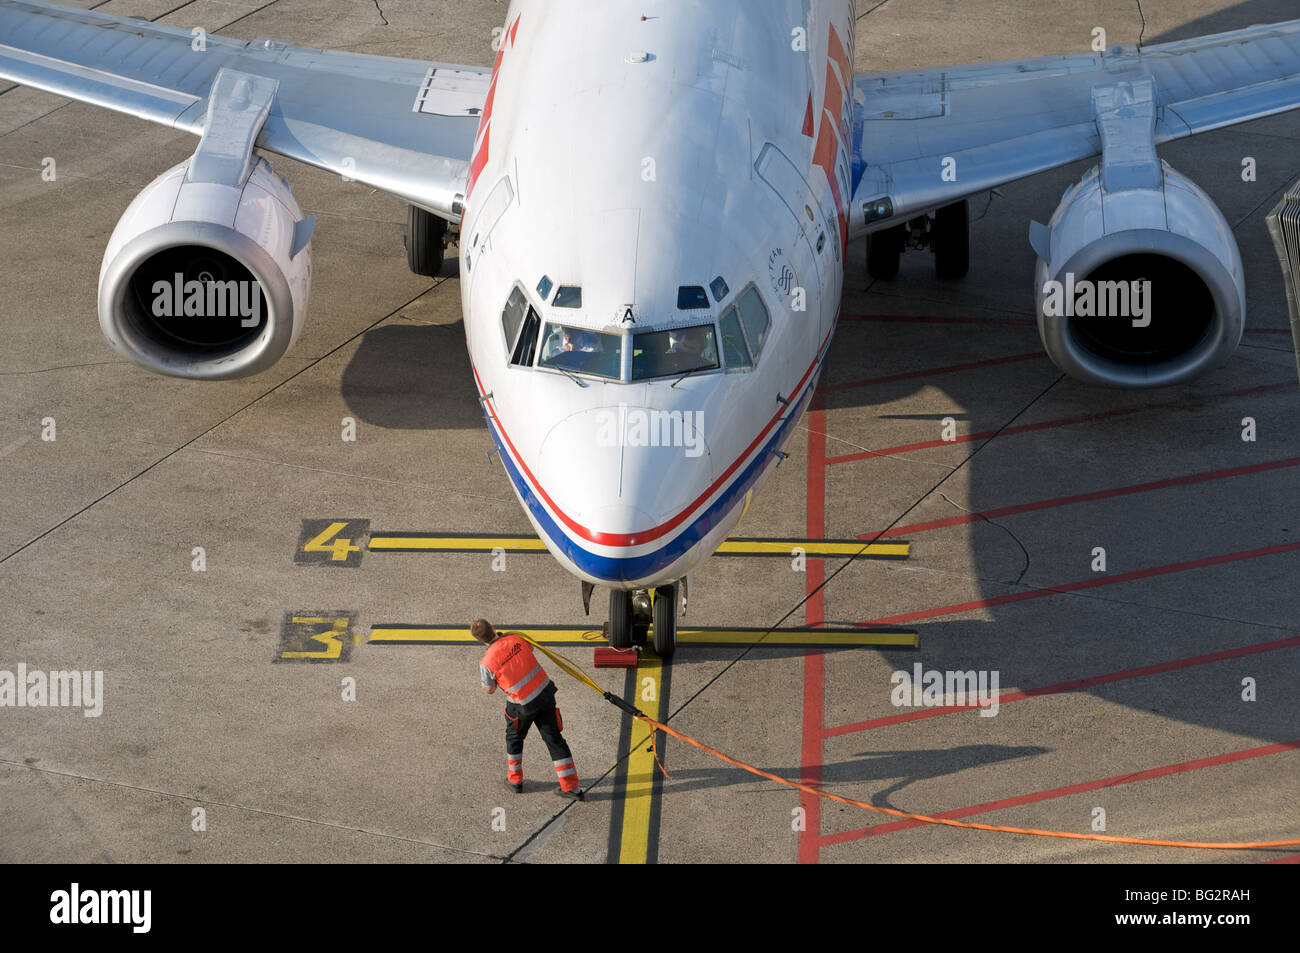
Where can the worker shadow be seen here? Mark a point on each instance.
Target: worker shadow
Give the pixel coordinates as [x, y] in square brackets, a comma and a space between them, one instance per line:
[902, 767]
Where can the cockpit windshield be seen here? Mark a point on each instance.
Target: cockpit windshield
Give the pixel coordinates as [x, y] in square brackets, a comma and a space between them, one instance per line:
[581, 351]
[675, 351]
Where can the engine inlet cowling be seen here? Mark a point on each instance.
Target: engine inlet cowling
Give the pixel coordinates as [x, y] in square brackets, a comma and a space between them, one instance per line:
[1139, 288]
[207, 281]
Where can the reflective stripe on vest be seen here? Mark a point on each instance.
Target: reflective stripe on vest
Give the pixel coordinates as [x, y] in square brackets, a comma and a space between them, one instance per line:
[517, 671]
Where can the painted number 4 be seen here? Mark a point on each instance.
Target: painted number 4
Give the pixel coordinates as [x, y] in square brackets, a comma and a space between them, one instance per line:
[332, 542]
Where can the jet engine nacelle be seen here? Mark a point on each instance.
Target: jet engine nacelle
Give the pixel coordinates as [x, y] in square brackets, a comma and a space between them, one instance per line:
[1164, 258]
[207, 281]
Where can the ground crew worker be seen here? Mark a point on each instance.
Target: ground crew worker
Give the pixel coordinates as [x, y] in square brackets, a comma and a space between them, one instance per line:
[509, 664]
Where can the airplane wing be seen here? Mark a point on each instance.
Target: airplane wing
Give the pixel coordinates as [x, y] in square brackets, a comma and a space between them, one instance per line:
[1003, 121]
[404, 126]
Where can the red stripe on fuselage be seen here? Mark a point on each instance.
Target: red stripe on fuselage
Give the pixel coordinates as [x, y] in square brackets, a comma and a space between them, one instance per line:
[663, 529]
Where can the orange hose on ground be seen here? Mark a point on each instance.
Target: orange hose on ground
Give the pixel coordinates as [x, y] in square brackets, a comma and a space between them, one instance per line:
[926, 819]
[575, 670]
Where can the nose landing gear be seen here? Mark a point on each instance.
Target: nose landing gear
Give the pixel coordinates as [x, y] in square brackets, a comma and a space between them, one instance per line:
[665, 620]
[635, 614]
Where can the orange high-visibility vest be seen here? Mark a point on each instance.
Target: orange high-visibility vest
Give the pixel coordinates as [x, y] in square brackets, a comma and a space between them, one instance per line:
[518, 673]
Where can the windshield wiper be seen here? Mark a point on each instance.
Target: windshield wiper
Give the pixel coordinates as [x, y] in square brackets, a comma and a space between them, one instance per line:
[684, 376]
[577, 380]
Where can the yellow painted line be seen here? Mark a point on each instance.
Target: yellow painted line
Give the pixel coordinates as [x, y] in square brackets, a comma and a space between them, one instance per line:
[459, 635]
[812, 547]
[780, 638]
[454, 544]
[419, 543]
[638, 796]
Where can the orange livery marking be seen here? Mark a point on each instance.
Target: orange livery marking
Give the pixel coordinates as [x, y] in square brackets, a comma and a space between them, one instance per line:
[481, 150]
[828, 137]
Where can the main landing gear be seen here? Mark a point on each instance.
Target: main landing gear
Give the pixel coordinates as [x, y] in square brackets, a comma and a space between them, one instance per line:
[426, 242]
[638, 614]
[946, 232]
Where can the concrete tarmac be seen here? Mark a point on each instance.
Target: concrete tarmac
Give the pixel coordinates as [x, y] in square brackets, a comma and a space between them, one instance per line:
[1121, 691]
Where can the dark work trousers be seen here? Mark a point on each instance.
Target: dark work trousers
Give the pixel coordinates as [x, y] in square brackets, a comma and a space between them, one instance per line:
[542, 713]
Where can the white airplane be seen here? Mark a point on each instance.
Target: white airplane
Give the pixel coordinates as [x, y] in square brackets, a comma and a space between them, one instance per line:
[654, 203]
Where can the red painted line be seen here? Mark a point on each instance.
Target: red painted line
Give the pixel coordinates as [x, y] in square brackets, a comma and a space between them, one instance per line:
[1084, 498]
[1083, 584]
[810, 772]
[936, 371]
[1292, 859]
[1115, 781]
[815, 608]
[918, 319]
[1070, 686]
[1048, 424]
[814, 664]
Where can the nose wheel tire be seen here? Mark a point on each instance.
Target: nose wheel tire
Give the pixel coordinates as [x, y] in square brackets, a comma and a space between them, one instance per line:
[665, 620]
[620, 618]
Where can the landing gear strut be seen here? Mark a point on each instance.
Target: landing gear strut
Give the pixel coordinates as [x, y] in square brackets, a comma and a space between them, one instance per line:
[635, 613]
[946, 233]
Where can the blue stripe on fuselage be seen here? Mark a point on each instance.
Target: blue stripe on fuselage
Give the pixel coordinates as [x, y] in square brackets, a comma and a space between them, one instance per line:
[623, 570]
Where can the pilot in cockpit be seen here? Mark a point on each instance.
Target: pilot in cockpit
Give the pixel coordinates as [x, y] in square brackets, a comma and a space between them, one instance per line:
[562, 339]
[690, 347]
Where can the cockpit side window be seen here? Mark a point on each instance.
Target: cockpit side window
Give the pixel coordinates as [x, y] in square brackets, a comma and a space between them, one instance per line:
[512, 318]
[755, 318]
[527, 345]
[520, 324]
[733, 340]
[675, 351]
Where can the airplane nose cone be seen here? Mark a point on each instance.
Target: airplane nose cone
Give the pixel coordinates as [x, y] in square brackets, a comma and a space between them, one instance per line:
[622, 471]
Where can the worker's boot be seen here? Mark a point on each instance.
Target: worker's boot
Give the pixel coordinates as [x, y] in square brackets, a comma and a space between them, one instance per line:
[567, 775]
[515, 772]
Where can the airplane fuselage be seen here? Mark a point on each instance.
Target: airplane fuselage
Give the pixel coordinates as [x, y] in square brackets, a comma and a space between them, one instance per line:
[652, 257]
